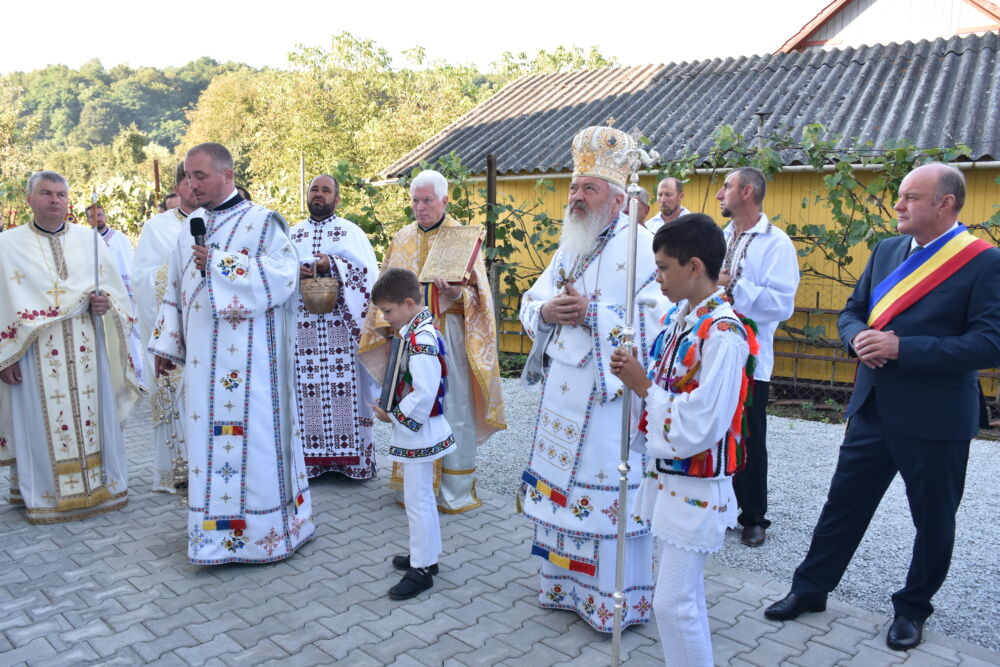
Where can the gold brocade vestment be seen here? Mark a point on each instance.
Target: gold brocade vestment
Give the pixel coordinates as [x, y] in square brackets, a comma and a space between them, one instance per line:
[474, 314]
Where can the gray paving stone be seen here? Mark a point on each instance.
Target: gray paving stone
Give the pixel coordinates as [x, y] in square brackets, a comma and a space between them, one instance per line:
[972, 661]
[293, 641]
[131, 636]
[724, 649]
[308, 657]
[842, 636]
[768, 652]
[341, 645]
[21, 636]
[397, 644]
[91, 631]
[223, 624]
[441, 649]
[179, 619]
[250, 636]
[590, 655]
[942, 653]
[794, 634]
[576, 636]
[867, 657]
[77, 655]
[820, 655]
[388, 625]
[727, 609]
[261, 652]
[163, 645]
[747, 630]
[202, 652]
[14, 619]
[358, 658]
[36, 649]
[493, 652]
[254, 614]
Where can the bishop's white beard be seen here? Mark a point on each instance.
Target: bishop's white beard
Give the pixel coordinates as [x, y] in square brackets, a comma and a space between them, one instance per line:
[581, 226]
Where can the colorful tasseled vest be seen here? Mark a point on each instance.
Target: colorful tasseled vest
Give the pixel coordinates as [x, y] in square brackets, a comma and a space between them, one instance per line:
[405, 384]
[677, 361]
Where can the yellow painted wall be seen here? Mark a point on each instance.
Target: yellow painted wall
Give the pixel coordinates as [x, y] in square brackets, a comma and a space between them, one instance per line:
[784, 202]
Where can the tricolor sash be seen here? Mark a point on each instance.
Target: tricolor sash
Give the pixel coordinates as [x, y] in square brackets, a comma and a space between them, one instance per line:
[922, 272]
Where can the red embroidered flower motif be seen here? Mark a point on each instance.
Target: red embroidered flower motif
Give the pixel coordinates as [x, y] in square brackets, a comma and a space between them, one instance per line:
[55, 353]
[65, 427]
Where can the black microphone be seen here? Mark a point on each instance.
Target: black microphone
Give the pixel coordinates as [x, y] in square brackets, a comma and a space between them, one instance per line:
[198, 232]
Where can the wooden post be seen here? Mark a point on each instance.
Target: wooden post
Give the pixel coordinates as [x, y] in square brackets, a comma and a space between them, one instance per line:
[492, 265]
[156, 178]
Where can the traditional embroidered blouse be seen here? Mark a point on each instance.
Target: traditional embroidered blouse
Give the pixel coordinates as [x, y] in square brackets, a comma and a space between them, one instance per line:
[420, 431]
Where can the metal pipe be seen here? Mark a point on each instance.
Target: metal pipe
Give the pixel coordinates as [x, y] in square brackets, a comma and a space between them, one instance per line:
[965, 166]
[634, 157]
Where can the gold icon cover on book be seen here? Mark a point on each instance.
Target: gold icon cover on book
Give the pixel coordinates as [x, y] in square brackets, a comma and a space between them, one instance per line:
[453, 254]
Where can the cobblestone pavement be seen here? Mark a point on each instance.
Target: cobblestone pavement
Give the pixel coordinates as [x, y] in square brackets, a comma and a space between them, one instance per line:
[118, 589]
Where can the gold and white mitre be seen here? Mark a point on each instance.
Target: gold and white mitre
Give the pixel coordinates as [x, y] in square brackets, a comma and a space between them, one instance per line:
[602, 151]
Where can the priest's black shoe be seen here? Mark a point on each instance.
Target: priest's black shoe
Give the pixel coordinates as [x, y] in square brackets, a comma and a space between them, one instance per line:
[753, 536]
[792, 606]
[414, 582]
[904, 634]
[403, 563]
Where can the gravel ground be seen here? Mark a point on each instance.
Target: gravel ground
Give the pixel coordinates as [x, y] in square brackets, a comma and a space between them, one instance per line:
[802, 458]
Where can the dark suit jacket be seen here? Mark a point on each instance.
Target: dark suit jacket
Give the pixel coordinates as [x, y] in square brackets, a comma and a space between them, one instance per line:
[932, 391]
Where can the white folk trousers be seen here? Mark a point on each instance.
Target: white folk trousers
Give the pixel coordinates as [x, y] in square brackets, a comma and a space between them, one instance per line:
[421, 513]
[679, 607]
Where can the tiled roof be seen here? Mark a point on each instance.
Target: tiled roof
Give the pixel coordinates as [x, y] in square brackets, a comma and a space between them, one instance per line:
[939, 93]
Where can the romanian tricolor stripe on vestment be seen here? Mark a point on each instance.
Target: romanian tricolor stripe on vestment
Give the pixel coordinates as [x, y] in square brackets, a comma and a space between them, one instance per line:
[922, 272]
[224, 524]
[544, 489]
[228, 429]
[564, 562]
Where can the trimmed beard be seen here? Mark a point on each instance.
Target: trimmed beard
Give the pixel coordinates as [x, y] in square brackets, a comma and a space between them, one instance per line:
[580, 228]
[320, 211]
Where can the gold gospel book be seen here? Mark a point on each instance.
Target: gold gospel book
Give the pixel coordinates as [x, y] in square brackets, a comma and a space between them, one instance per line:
[453, 254]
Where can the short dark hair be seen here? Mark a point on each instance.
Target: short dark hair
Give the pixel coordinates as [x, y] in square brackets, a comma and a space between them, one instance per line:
[951, 182]
[168, 197]
[94, 206]
[244, 192]
[221, 158]
[678, 183]
[396, 285]
[755, 178]
[179, 174]
[693, 235]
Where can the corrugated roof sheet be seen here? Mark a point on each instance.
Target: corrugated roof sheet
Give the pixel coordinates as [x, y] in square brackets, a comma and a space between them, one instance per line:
[939, 93]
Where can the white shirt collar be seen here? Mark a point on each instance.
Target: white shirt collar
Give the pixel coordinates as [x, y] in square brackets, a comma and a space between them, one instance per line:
[914, 244]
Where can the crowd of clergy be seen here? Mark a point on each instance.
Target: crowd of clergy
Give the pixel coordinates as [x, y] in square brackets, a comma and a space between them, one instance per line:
[253, 392]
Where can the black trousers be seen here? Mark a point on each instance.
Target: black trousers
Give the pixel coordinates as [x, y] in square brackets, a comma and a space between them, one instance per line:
[934, 474]
[750, 484]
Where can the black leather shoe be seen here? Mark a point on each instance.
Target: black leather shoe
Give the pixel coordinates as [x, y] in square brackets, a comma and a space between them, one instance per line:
[792, 606]
[403, 563]
[414, 582]
[904, 634]
[753, 536]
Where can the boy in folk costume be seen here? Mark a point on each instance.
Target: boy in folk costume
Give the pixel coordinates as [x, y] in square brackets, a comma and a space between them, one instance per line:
[690, 427]
[420, 432]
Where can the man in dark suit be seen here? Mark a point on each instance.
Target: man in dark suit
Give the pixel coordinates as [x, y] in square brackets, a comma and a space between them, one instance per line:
[916, 402]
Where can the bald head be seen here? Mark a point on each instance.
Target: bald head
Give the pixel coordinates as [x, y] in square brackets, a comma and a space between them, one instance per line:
[930, 198]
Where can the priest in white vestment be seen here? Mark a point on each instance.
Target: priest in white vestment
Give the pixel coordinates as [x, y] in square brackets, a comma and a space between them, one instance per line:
[333, 391]
[575, 314]
[68, 382]
[232, 329]
[149, 278]
[122, 251]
